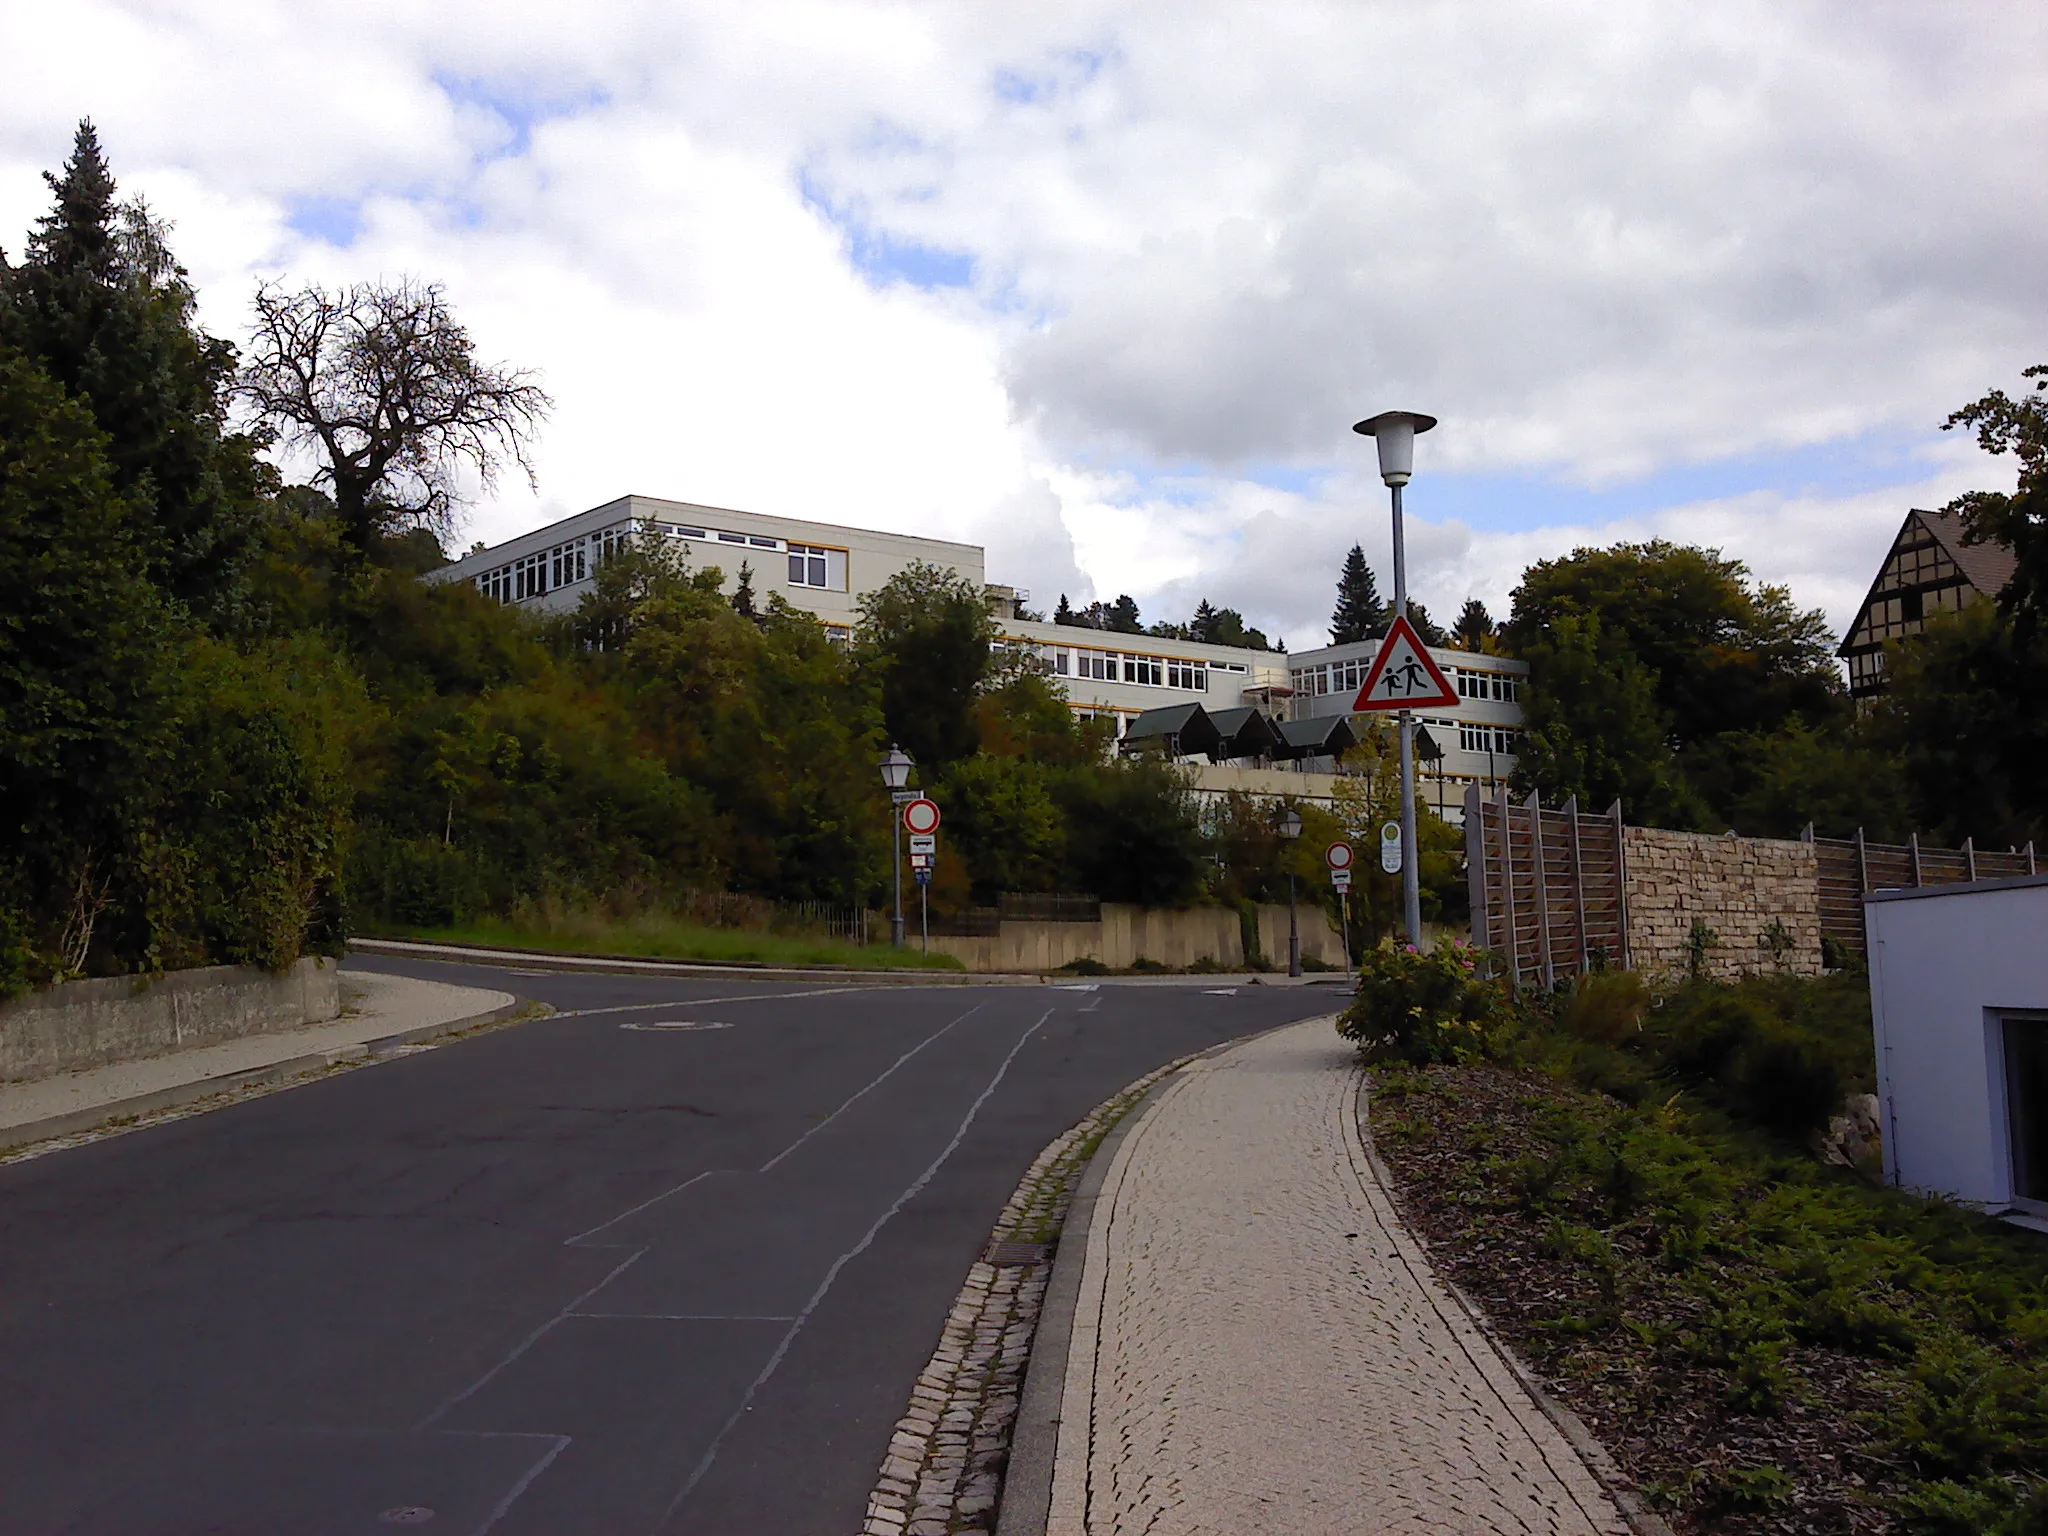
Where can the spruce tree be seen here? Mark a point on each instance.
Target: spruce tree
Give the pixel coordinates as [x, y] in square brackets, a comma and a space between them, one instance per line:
[1474, 629]
[743, 596]
[1427, 627]
[103, 308]
[1064, 614]
[1123, 616]
[1360, 614]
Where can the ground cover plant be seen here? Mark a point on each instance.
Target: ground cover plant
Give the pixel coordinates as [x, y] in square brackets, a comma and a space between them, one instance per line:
[1627, 1184]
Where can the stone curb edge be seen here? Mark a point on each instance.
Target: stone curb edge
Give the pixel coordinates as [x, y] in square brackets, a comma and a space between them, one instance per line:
[631, 965]
[1635, 1509]
[75, 1122]
[944, 1471]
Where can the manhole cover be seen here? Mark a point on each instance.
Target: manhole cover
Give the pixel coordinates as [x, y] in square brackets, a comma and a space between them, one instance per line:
[407, 1514]
[1009, 1254]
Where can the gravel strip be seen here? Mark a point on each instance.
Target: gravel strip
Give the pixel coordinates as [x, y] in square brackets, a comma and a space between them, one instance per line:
[943, 1473]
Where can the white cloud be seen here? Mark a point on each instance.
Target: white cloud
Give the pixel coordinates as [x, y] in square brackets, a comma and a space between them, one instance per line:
[1598, 242]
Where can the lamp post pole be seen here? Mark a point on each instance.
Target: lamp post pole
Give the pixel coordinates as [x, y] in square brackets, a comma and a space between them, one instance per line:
[896, 765]
[1290, 829]
[1394, 432]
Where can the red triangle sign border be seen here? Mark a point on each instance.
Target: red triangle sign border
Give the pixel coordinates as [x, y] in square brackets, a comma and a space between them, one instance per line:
[1445, 696]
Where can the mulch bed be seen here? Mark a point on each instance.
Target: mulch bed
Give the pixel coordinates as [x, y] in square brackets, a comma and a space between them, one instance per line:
[1666, 1420]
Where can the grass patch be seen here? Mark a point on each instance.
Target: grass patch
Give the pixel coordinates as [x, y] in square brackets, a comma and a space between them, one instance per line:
[655, 937]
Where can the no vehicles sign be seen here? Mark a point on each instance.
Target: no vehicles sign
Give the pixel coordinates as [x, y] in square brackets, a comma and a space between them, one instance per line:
[920, 816]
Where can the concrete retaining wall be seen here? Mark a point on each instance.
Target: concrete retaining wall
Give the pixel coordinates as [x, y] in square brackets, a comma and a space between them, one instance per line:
[1737, 886]
[1176, 938]
[82, 1024]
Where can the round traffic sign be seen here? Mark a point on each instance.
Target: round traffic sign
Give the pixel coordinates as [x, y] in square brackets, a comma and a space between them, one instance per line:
[1338, 855]
[921, 815]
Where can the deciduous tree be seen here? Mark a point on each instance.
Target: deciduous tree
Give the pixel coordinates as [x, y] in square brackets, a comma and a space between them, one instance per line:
[382, 385]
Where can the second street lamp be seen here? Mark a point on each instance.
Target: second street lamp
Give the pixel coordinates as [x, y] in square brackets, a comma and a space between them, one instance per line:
[1290, 829]
[896, 765]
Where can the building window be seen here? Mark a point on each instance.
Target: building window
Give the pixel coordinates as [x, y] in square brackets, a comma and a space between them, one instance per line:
[807, 567]
[732, 538]
[1497, 739]
[1145, 670]
[1500, 687]
[1096, 664]
[760, 543]
[1192, 675]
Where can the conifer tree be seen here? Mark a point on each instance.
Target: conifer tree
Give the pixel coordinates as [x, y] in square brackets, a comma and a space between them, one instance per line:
[1474, 629]
[104, 309]
[1064, 614]
[1432, 634]
[743, 597]
[1360, 614]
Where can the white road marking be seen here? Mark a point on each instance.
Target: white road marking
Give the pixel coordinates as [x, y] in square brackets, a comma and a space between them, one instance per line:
[675, 1024]
[1219, 992]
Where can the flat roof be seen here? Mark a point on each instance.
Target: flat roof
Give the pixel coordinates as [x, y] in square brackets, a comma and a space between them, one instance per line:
[1956, 888]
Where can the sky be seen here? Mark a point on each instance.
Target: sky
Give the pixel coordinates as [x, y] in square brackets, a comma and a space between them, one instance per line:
[1103, 286]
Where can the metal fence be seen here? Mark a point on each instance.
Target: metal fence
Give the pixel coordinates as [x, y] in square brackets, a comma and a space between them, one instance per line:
[1020, 906]
[1850, 866]
[1549, 888]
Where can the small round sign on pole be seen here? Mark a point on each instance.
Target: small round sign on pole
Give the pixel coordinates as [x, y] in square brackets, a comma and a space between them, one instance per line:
[1338, 856]
[920, 816]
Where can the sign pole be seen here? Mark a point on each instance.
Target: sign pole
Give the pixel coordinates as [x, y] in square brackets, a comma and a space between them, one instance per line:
[924, 916]
[1344, 909]
[1411, 875]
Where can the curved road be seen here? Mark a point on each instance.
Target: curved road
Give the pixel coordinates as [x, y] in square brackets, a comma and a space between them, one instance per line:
[668, 1261]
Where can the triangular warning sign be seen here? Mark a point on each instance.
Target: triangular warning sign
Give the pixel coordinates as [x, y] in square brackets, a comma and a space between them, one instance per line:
[1404, 676]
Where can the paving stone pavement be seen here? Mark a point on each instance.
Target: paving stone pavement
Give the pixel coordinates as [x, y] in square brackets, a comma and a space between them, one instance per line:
[1261, 1347]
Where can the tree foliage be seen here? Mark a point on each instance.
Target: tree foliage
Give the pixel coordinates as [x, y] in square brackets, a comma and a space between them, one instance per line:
[381, 383]
[923, 645]
[101, 307]
[1360, 613]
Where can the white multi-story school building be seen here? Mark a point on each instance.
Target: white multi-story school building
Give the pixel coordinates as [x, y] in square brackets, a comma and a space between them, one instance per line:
[823, 568]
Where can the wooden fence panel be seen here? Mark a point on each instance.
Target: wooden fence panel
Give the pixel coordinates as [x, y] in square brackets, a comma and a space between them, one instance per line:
[1850, 866]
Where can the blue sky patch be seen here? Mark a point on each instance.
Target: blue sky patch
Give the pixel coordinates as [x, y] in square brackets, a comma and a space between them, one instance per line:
[520, 112]
[335, 220]
[882, 258]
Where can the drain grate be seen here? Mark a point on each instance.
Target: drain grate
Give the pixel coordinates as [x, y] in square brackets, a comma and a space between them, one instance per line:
[1009, 1254]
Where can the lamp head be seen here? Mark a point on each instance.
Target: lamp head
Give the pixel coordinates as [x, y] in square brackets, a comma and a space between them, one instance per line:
[896, 765]
[1395, 431]
[1290, 824]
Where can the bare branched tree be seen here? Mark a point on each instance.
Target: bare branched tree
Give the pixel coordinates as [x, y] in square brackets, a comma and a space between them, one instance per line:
[383, 385]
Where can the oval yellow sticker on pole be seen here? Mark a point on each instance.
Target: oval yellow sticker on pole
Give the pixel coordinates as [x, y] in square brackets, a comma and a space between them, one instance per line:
[1390, 847]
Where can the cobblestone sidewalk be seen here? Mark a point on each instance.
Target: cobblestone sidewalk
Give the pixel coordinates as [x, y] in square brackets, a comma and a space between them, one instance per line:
[1260, 1347]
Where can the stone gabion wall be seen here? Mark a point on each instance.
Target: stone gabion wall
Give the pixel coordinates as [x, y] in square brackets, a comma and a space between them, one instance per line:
[1752, 892]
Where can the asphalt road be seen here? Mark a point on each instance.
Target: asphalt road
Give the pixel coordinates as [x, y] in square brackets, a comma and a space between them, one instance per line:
[668, 1261]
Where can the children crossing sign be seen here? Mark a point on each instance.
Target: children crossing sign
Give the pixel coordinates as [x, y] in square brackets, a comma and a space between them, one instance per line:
[1404, 675]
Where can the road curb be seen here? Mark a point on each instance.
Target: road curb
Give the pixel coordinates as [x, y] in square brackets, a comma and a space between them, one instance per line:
[178, 1095]
[632, 965]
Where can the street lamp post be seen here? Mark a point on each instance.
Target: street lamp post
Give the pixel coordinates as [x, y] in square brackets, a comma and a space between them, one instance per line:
[1394, 433]
[1290, 829]
[896, 765]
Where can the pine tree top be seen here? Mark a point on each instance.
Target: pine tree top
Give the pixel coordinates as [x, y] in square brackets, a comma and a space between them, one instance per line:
[78, 234]
[1359, 614]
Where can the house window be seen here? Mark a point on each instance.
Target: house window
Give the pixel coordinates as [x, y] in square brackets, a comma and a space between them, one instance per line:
[1500, 687]
[1192, 675]
[1098, 665]
[1062, 661]
[808, 567]
[732, 538]
[1144, 669]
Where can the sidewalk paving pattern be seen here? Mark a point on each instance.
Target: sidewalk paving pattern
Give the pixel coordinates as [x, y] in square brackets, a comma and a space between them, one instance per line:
[1260, 1345]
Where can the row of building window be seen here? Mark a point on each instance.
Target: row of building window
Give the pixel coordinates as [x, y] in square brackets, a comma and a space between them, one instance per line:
[1190, 676]
[1497, 739]
[1349, 676]
[1503, 687]
[575, 560]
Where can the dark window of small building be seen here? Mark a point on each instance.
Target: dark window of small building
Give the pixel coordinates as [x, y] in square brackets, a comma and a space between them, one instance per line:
[2026, 1103]
[1912, 606]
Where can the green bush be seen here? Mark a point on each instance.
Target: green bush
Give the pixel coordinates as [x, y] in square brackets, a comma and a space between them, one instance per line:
[1425, 1007]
